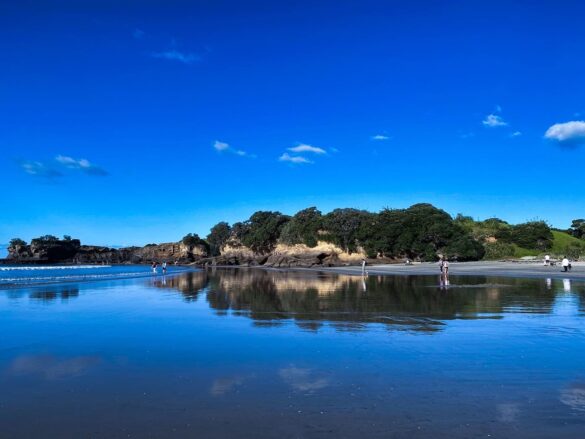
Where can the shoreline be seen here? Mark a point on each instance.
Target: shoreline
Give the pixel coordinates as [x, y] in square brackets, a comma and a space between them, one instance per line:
[481, 268]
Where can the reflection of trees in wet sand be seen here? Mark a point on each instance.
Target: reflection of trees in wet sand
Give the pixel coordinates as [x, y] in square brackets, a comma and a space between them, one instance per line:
[189, 284]
[349, 302]
[54, 293]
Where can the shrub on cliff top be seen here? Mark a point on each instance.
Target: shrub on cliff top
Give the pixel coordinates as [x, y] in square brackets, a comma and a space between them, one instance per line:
[261, 232]
[16, 242]
[303, 228]
[218, 236]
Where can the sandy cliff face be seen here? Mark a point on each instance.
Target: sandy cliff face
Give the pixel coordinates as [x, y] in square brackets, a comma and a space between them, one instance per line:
[324, 254]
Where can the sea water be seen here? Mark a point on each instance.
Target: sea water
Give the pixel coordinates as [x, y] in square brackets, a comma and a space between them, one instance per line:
[249, 353]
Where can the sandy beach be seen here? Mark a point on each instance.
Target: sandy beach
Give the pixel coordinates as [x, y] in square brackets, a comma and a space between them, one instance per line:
[483, 268]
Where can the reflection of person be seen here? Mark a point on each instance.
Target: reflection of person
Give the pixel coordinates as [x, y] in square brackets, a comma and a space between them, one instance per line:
[567, 285]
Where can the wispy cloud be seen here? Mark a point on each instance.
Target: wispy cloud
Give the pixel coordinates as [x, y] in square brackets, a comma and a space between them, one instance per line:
[286, 157]
[220, 146]
[380, 137]
[516, 134]
[39, 169]
[175, 55]
[138, 34]
[303, 147]
[567, 133]
[81, 164]
[225, 147]
[494, 120]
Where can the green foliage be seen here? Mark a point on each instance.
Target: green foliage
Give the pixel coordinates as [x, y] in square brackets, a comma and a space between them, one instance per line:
[218, 236]
[422, 231]
[303, 228]
[261, 232]
[499, 250]
[193, 239]
[16, 242]
[578, 228]
[532, 235]
[342, 227]
[45, 239]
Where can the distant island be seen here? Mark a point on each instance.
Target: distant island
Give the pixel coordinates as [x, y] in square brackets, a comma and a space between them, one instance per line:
[343, 236]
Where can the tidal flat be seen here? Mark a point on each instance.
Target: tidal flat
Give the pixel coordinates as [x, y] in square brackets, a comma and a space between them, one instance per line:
[245, 353]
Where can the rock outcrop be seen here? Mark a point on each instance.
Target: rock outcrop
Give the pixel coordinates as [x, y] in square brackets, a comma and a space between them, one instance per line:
[62, 251]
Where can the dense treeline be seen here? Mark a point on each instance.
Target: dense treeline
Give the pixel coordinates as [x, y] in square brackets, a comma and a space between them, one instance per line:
[421, 232]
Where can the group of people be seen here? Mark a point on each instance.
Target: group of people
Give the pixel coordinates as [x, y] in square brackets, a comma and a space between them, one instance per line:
[565, 263]
[155, 265]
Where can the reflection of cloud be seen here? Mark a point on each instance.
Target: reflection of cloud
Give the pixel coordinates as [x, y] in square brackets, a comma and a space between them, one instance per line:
[302, 379]
[507, 412]
[51, 367]
[221, 386]
[574, 396]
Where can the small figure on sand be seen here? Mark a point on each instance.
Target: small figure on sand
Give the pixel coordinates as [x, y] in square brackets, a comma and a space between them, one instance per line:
[546, 260]
[154, 267]
[566, 264]
[164, 267]
[364, 272]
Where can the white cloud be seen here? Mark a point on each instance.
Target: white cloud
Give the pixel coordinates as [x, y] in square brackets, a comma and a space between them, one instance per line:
[81, 164]
[220, 146]
[572, 132]
[380, 137]
[493, 120]
[175, 55]
[307, 148]
[303, 380]
[516, 134]
[293, 159]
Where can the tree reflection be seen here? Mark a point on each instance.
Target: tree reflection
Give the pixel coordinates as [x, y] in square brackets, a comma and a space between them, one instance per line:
[348, 303]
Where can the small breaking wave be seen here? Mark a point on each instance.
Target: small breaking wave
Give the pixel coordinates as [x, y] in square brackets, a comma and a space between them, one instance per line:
[51, 267]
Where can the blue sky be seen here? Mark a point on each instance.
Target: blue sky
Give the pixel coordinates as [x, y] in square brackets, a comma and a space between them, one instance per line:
[135, 122]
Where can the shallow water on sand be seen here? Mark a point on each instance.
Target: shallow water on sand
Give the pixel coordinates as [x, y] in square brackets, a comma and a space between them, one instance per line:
[268, 354]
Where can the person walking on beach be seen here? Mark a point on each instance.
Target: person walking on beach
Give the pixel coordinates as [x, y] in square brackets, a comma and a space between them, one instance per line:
[546, 260]
[364, 272]
[154, 267]
[441, 261]
[164, 267]
[565, 264]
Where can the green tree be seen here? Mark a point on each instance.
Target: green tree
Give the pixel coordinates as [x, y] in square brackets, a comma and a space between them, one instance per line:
[16, 242]
[532, 235]
[218, 236]
[261, 232]
[578, 228]
[342, 227]
[303, 228]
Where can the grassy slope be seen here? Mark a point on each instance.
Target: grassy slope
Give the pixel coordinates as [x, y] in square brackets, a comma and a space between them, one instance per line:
[560, 243]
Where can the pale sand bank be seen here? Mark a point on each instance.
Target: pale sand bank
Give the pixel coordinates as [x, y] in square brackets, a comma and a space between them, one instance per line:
[482, 268]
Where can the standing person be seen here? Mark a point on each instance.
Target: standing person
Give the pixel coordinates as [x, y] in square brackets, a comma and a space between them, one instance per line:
[546, 260]
[164, 267]
[154, 266]
[445, 268]
[565, 263]
[363, 267]
[441, 262]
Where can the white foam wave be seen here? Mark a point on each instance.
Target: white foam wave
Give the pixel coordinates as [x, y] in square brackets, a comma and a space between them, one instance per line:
[49, 267]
